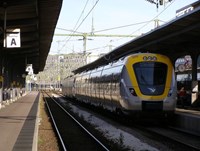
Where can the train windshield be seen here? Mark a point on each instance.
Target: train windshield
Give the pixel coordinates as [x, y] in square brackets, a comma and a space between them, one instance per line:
[151, 77]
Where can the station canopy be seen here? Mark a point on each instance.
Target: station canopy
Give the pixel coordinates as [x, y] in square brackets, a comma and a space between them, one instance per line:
[36, 20]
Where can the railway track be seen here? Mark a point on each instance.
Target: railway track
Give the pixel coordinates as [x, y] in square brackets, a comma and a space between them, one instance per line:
[71, 133]
[180, 140]
[188, 141]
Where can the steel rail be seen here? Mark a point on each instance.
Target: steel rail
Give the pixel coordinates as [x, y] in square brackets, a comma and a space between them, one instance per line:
[74, 119]
[174, 136]
[55, 126]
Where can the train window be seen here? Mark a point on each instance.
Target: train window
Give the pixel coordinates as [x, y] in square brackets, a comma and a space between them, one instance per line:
[151, 77]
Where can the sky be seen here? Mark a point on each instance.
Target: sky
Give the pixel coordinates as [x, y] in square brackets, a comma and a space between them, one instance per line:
[107, 17]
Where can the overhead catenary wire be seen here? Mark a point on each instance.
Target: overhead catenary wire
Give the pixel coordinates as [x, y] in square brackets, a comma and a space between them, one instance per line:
[87, 15]
[154, 17]
[73, 31]
[81, 22]
[97, 48]
[80, 15]
[123, 26]
[150, 20]
[112, 28]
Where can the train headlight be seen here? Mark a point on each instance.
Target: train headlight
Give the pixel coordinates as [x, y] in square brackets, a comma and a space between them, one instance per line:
[132, 91]
[145, 58]
[154, 58]
[149, 58]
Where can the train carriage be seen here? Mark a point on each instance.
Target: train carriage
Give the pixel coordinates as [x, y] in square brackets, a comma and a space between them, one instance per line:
[143, 82]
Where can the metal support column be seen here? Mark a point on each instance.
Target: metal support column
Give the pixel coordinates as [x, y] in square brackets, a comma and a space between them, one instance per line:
[2, 57]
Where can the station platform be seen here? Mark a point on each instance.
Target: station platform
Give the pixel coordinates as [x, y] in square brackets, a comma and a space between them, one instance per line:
[188, 120]
[18, 124]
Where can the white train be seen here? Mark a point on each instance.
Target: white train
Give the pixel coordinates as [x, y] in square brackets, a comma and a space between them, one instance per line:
[138, 83]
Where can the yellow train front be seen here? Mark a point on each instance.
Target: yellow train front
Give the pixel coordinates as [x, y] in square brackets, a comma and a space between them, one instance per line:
[148, 85]
[135, 84]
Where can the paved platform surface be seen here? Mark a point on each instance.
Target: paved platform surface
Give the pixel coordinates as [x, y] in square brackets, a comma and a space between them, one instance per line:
[18, 130]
